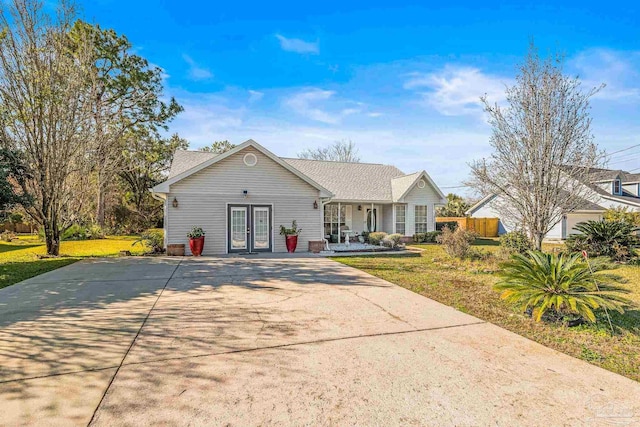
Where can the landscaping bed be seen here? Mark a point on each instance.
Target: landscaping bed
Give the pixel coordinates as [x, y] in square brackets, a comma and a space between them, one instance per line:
[467, 285]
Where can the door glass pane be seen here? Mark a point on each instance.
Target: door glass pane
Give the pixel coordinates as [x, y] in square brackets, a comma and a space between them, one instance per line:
[238, 228]
[261, 228]
[371, 220]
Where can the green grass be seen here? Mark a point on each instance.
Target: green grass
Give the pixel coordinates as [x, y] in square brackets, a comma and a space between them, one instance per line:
[467, 286]
[22, 258]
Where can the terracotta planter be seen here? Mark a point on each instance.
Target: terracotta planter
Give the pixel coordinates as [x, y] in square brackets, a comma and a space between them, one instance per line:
[175, 250]
[196, 244]
[292, 242]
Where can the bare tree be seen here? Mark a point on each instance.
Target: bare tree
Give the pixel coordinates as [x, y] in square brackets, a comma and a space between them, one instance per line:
[44, 111]
[543, 147]
[339, 151]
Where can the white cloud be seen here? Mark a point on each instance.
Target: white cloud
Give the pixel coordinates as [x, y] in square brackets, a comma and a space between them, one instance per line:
[298, 45]
[312, 104]
[620, 71]
[197, 72]
[255, 96]
[302, 103]
[455, 90]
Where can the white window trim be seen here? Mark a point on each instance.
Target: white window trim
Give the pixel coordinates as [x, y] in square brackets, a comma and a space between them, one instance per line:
[415, 218]
[395, 220]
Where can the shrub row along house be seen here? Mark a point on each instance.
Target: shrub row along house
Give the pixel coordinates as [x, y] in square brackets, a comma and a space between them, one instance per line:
[241, 197]
[608, 189]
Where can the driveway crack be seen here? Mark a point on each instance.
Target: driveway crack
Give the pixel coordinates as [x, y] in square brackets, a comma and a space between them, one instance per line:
[396, 317]
[132, 344]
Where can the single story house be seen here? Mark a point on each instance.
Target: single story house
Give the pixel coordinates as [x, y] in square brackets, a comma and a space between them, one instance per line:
[242, 197]
[608, 189]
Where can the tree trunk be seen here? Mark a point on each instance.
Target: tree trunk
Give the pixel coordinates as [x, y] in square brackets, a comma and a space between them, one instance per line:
[537, 241]
[52, 237]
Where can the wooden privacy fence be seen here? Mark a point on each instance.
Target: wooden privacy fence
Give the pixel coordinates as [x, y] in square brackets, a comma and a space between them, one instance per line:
[18, 228]
[485, 227]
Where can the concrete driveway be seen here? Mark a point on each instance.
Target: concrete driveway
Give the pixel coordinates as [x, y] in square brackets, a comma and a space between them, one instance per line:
[274, 340]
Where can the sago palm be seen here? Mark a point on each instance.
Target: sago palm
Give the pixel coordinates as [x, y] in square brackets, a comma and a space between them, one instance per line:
[615, 239]
[563, 284]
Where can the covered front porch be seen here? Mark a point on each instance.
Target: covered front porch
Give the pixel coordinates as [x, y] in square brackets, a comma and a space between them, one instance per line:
[349, 222]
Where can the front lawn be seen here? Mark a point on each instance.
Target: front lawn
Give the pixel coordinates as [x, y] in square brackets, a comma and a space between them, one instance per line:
[467, 286]
[21, 259]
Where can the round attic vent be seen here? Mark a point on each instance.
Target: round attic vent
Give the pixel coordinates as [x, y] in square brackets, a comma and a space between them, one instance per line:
[250, 159]
[421, 183]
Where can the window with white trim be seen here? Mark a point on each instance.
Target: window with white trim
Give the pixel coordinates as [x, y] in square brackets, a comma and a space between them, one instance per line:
[421, 219]
[401, 213]
[617, 187]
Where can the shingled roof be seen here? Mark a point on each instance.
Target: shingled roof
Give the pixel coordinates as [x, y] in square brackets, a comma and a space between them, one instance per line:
[347, 181]
[350, 181]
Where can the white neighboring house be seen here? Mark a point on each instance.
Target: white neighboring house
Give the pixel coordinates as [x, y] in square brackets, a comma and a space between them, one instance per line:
[610, 189]
[242, 197]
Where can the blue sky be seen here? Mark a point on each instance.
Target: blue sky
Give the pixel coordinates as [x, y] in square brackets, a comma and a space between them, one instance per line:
[400, 79]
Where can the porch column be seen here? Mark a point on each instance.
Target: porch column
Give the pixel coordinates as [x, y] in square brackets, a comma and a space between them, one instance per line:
[374, 219]
[339, 223]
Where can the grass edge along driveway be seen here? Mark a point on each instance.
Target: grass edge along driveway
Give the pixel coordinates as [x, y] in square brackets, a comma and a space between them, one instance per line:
[21, 259]
[467, 286]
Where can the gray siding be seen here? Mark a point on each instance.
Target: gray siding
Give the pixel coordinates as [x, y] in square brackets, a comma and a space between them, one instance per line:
[203, 198]
[420, 197]
[387, 219]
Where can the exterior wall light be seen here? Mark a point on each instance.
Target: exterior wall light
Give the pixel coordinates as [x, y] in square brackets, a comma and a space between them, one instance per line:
[245, 193]
[359, 207]
[315, 204]
[175, 203]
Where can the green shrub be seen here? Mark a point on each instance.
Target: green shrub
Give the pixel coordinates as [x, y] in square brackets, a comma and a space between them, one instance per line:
[153, 239]
[457, 243]
[428, 237]
[451, 225]
[515, 242]
[432, 236]
[614, 239]
[75, 232]
[624, 215]
[555, 286]
[365, 236]
[376, 237]
[392, 240]
[95, 232]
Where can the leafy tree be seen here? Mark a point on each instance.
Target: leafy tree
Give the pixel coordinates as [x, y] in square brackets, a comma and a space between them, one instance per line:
[622, 214]
[218, 147]
[339, 151]
[559, 284]
[145, 163]
[127, 98]
[13, 174]
[455, 207]
[543, 148]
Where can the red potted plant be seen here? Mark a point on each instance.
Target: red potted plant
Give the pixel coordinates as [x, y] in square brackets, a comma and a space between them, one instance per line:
[196, 240]
[291, 236]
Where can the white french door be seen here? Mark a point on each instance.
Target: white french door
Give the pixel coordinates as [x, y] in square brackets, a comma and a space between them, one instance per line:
[261, 238]
[238, 230]
[249, 228]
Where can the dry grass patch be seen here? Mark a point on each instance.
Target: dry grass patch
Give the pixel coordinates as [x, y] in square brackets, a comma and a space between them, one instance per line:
[468, 286]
